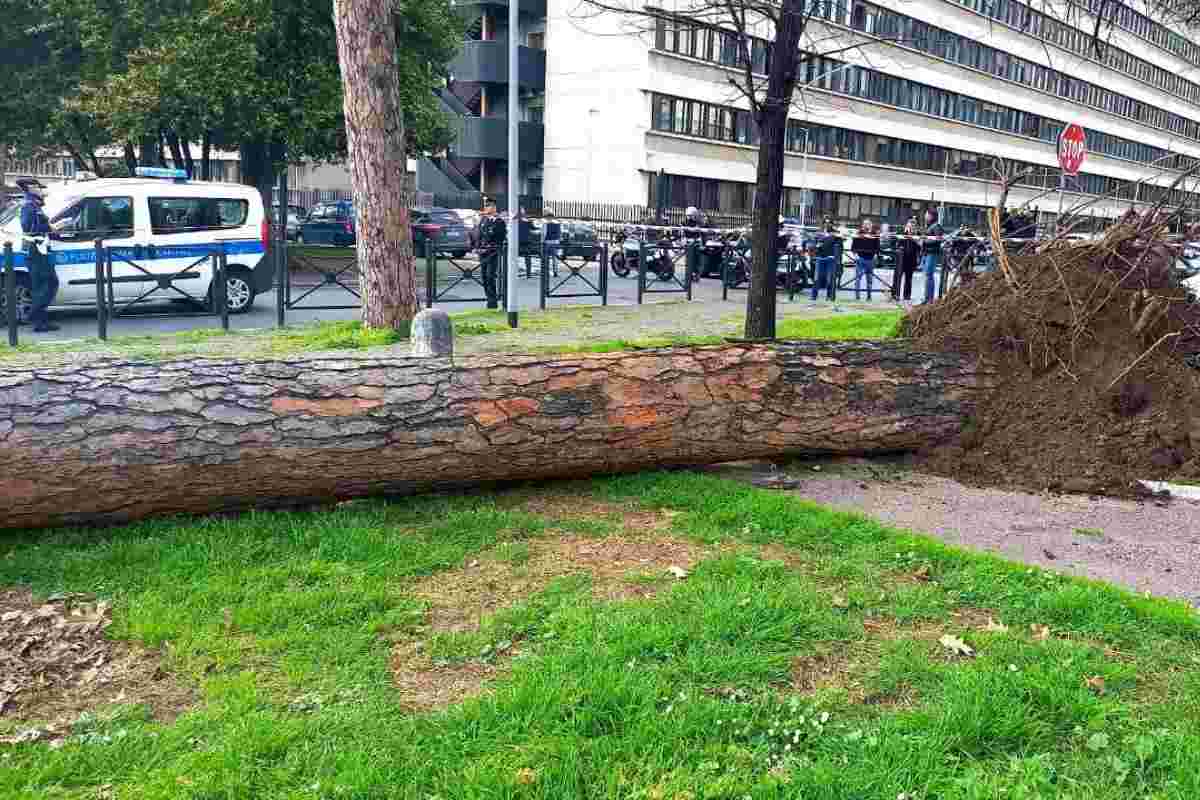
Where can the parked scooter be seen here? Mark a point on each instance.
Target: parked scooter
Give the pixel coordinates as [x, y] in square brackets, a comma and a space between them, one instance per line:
[627, 258]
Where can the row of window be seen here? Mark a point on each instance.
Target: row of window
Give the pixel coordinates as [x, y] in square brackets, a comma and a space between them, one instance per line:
[830, 74]
[1140, 25]
[683, 36]
[914, 33]
[709, 121]
[1041, 26]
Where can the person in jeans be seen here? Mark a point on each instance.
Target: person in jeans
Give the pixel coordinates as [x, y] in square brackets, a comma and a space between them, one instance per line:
[865, 247]
[908, 253]
[827, 249]
[551, 242]
[931, 252]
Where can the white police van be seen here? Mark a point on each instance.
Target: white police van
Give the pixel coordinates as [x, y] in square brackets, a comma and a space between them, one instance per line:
[159, 224]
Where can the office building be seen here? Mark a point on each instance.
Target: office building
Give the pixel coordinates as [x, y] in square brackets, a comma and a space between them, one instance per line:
[923, 103]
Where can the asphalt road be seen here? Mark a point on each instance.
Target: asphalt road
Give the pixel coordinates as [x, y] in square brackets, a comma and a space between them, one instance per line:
[166, 317]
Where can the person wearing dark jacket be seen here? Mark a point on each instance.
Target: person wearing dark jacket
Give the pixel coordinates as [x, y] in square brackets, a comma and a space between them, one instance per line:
[827, 247]
[36, 230]
[865, 247]
[493, 237]
[908, 251]
[551, 242]
[931, 252]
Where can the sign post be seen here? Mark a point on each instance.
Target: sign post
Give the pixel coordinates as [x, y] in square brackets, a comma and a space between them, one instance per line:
[1072, 150]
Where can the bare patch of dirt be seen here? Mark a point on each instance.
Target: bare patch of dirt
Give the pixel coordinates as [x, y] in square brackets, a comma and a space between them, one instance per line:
[634, 564]
[56, 662]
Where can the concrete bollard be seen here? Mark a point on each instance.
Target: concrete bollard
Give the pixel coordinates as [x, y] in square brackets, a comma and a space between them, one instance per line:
[432, 334]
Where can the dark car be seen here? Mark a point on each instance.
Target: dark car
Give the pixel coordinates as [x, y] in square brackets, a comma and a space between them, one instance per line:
[578, 240]
[444, 228]
[329, 223]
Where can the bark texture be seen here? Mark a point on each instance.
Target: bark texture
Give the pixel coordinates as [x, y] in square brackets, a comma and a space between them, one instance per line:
[366, 42]
[116, 442]
[772, 115]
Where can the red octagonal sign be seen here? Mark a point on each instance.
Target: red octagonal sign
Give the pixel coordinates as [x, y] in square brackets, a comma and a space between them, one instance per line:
[1072, 148]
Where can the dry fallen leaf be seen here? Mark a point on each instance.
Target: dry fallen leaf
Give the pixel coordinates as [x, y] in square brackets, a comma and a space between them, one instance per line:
[956, 645]
[1040, 632]
[924, 573]
[1096, 684]
[995, 627]
[840, 602]
[526, 776]
[678, 572]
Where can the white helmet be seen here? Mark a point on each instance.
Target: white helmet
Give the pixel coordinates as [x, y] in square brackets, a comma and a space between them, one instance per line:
[692, 214]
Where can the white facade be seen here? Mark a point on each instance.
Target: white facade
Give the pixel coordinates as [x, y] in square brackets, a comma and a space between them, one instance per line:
[603, 73]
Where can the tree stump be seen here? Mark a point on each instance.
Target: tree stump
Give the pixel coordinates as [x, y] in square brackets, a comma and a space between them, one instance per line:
[112, 442]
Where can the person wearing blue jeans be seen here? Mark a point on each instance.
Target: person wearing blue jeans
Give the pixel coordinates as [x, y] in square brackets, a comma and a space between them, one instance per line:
[826, 249]
[931, 253]
[865, 247]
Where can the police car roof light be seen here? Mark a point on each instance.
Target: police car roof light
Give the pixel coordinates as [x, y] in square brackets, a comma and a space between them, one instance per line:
[161, 172]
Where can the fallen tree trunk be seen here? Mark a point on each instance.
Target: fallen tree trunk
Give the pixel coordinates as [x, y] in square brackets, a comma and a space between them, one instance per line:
[112, 442]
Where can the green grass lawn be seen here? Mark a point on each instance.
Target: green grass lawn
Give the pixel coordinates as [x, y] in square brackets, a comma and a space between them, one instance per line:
[800, 657]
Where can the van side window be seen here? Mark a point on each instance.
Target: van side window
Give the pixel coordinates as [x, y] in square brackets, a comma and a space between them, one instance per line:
[95, 218]
[194, 214]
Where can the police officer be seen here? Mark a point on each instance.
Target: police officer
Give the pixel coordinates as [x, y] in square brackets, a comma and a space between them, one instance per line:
[493, 237]
[36, 230]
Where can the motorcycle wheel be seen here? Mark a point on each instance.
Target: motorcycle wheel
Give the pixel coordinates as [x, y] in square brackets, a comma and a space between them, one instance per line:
[619, 267]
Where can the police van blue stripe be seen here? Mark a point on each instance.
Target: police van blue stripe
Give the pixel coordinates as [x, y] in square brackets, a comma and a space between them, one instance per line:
[142, 253]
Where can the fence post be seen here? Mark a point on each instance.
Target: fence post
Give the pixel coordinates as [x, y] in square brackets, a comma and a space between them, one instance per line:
[687, 275]
[725, 259]
[604, 274]
[10, 293]
[543, 279]
[431, 275]
[101, 294]
[109, 289]
[791, 276]
[641, 271]
[281, 268]
[223, 286]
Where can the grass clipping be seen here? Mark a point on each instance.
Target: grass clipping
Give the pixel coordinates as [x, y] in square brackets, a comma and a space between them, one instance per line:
[1097, 347]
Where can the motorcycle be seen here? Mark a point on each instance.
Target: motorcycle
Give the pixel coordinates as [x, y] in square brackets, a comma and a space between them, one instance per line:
[627, 258]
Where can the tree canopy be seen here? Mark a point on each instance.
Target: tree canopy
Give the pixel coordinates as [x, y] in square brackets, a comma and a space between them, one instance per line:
[231, 73]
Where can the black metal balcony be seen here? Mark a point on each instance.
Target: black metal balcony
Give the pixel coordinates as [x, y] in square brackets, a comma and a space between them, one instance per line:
[487, 137]
[526, 8]
[487, 62]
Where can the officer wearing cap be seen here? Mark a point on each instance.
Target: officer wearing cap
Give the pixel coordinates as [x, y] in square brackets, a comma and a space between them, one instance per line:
[42, 277]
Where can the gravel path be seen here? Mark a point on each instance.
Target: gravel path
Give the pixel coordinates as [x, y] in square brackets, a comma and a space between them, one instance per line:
[1143, 546]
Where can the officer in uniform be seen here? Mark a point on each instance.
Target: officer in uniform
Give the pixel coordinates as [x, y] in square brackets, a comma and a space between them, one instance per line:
[493, 238]
[42, 277]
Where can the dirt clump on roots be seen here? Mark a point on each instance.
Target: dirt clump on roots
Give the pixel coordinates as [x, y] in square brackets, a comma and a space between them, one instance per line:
[1097, 349]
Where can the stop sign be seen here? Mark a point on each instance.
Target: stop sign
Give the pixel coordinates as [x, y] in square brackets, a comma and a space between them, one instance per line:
[1072, 148]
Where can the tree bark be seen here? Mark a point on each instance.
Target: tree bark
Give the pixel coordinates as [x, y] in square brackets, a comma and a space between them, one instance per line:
[109, 442]
[366, 41]
[772, 115]
[206, 157]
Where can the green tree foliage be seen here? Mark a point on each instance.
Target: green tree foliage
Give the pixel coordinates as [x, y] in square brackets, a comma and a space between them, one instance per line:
[261, 75]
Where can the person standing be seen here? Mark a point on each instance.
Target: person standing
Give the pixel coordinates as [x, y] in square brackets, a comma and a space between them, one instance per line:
[493, 238]
[43, 278]
[551, 242]
[908, 251]
[827, 251]
[865, 247]
[931, 252]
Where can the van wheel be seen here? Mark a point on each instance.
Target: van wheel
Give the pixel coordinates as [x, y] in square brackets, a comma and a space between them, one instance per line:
[239, 291]
[24, 299]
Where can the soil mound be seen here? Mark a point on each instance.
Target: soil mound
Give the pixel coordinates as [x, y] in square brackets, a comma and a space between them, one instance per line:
[1096, 345]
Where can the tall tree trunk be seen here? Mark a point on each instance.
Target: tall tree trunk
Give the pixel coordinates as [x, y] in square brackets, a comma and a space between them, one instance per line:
[366, 41]
[206, 157]
[131, 161]
[176, 151]
[258, 168]
[189, 163]
[111, 442]
[768, 194]
[148, 151]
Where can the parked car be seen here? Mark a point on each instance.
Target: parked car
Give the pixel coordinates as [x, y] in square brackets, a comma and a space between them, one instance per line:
[441, 226]
[578, 240]
[295, 217]
[329, 224]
